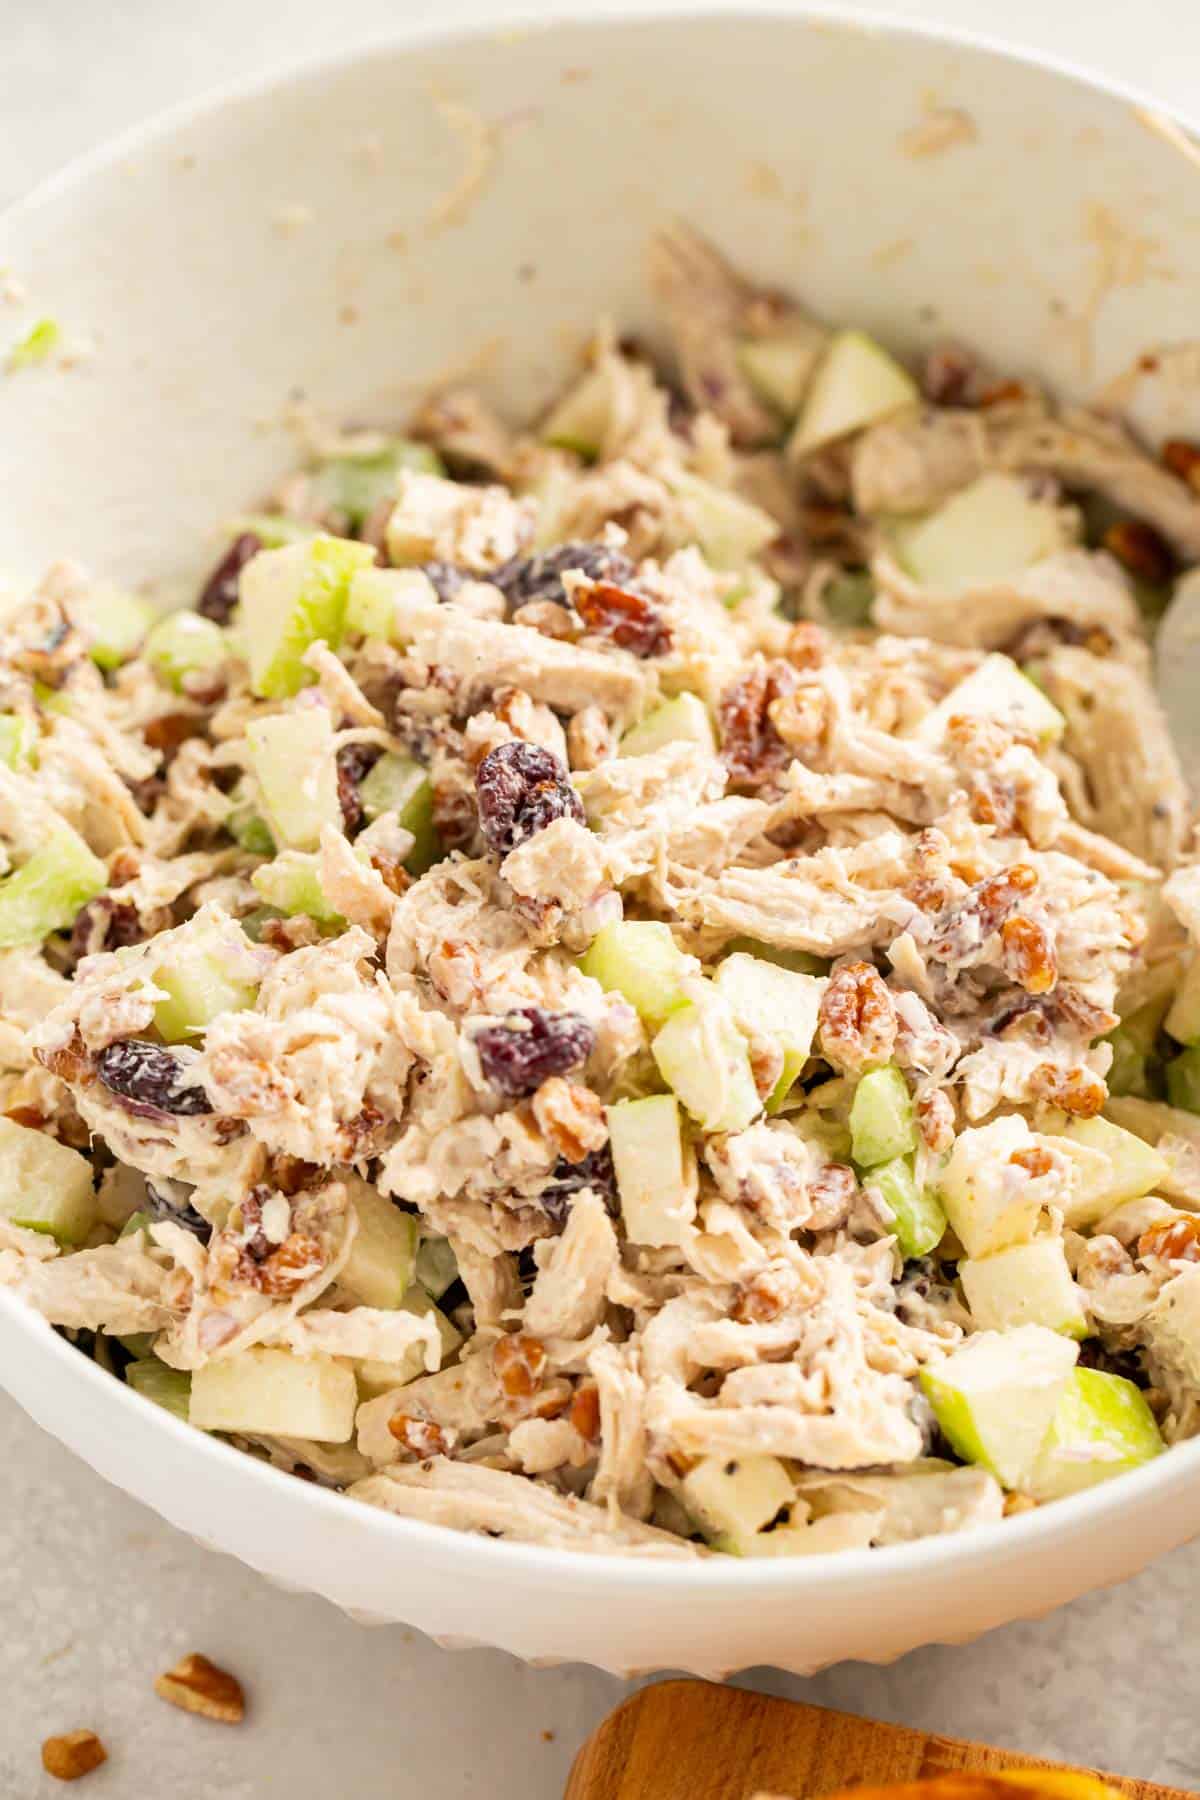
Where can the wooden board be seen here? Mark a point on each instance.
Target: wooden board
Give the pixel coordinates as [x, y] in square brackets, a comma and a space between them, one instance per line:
[693, 1740]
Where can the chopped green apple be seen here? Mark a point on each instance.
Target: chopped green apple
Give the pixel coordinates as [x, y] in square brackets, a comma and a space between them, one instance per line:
[987, 532]
[200, 983]
[397, 784]
[379, 1269]
[271, 1391]
[855, 384]
[354, 485]
[1132, 1168]
[44, 1185]
[377, 1376]
[736, 1496]
[114, 624]
[580, 421]
[774, 1003]
[294, 763]
[729, 531]
[996, 690]
[437, 1265]
[655, 1184]
[47, 891]
[388, 603]
[705, 1059]
[883, 1122]
[169, 1388]
[685, 719]
[1183, 1019]
[182, 644]
[1029, 1284]
[1183, 1080]
[289, 598]
[18, 740]
[291, 884]
[640, 959]
[917, 1216]
[779, 368]
[1102, 1427]
[1132, 1070]
[990, 1201]
[996, 1396]
[250, 830]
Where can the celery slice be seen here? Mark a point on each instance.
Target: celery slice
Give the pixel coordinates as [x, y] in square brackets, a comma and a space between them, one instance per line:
[183, 644]
[46, 893]
[18, 739]
[882, 1120]
[398, 785]
[918, 1220]
[354, 485]
[114, 624]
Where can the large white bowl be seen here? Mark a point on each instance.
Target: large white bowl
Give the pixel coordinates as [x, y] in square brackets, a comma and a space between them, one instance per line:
[1063, 235]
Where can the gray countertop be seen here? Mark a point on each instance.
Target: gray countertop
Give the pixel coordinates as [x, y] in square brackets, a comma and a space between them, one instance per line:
[98, 1595]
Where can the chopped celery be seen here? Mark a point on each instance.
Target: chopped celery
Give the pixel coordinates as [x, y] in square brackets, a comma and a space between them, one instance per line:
[856, 383]
[1131, 1071]
[18, 738]
[640, 959]
[183, 644]
[385, 603]
[169, 1388]
[44, 1185]
[114, 624]
[398, 785]
[47, 891]
[1183, 1080]
[273, 530]
[251, 831]
[354, 485]
[199, 985]
[882, 1120]
[918, 1220]
[292, 883]
[293, 758]
[39, 342]
[849, 598]
[289, 598]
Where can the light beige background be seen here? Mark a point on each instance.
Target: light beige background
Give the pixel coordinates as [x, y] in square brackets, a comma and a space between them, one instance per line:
[96, 1595]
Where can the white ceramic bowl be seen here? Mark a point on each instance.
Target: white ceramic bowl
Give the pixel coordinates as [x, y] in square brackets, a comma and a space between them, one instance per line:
[1059, 233]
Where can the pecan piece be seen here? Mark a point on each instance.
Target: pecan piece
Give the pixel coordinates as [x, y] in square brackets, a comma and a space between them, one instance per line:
[857, 1028]
[753, 749]
[520, 1364]
[571, 1117]
[1142, 550]
[625, 618]
[1077, 1090]
[1028, 954]
[1176, 1240]
[935, 1120]
[1182, 457]
[422, 1436]
[584, 1413]
[73, 1754]
[199, 1686]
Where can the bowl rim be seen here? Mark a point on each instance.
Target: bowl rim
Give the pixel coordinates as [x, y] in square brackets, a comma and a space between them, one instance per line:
[902, 1565]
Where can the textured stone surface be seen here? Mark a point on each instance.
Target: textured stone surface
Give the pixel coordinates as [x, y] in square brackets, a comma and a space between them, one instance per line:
[98, 1595]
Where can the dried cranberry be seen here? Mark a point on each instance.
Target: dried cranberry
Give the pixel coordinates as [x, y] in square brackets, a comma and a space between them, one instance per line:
[149, 1078]
[446, 578]
[354, 763]
[625, 618]
[219, 595]
[540, 577]
[520, 789]
[596, 1171]
[105, 924]
[530, 1046]
[161, 1204]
